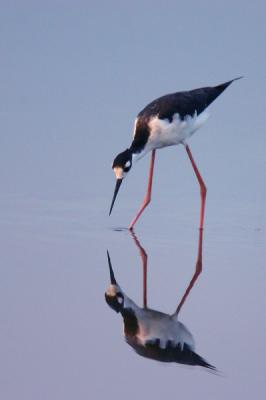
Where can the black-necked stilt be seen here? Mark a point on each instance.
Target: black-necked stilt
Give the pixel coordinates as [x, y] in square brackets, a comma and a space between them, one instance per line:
[166, 121]
[151, 333]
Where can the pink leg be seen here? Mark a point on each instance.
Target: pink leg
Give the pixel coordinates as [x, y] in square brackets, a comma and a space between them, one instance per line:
[197, 272]
[198, 267]
[203, 189]
[147, 198]
[144, 258]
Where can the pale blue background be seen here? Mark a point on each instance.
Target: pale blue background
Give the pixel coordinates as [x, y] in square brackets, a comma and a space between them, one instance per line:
[73, 75]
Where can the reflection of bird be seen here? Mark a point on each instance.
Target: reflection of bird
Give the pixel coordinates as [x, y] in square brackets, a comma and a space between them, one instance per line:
[168, 120]
[151, 333]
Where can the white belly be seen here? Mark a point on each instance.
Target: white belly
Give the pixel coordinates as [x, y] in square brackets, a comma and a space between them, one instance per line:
[161, 326]
[164, 133]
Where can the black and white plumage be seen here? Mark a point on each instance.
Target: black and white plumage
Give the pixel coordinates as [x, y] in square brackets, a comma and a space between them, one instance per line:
[151, 333]
[166, 121]
[172, 118]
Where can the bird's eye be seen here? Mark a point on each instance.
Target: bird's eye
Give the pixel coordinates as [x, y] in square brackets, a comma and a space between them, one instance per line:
[127, 166]
[120, 298]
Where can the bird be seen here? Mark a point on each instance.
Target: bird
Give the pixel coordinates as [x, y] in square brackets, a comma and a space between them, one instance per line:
[153, 334]
[166, 121]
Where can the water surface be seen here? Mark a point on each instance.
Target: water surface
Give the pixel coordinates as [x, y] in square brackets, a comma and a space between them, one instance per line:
[72, 80]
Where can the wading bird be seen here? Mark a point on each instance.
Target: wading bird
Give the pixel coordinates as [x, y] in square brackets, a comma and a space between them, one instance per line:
[167, 121]
[151, 333]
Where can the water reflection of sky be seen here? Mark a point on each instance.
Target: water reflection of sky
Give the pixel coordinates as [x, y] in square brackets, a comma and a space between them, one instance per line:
[72, 80]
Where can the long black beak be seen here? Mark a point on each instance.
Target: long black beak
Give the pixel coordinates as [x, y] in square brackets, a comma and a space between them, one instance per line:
[117, 186]
[112, 275]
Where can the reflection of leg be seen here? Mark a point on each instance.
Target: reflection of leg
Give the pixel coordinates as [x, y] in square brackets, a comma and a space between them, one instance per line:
[147, 198]
[144, 258]
[203, 189]
[198, 269]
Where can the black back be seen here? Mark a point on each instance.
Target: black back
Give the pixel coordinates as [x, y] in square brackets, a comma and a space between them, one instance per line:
[165, 107]
[184, 103]
[170, 353]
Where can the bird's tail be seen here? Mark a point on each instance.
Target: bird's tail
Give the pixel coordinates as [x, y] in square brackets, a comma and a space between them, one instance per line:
[213, 92]
[223, 86]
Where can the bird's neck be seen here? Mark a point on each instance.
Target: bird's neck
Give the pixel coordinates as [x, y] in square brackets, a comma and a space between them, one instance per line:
[128, 303]
[138, 155]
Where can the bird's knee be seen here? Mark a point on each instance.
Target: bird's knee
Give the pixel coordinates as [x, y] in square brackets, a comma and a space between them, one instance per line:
[147, 201]
[203, 190]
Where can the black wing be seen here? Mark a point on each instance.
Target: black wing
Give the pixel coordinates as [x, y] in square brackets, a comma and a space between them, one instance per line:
[170, 353]
[183, 103]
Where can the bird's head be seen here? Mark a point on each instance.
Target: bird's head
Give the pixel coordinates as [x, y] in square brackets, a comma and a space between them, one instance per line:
[121, 166]
[114, 295]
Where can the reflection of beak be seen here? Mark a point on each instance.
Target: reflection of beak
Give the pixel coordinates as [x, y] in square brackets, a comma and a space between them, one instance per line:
[117, 186]
[112, 276]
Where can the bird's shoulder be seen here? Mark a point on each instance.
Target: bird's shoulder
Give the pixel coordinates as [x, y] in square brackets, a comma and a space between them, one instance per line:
[164, 107]
[185, 103]
[182, 103]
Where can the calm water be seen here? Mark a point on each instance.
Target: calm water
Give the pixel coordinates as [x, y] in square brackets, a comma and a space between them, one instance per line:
[59, 338]
[71, 84]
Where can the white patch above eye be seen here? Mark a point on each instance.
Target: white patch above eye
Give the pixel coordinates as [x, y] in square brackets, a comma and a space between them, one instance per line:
[119, 173]
[127, 164]
[111, 291]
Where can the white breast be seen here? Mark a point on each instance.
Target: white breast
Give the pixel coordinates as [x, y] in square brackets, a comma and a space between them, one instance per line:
[155, 325]
[164, 133]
